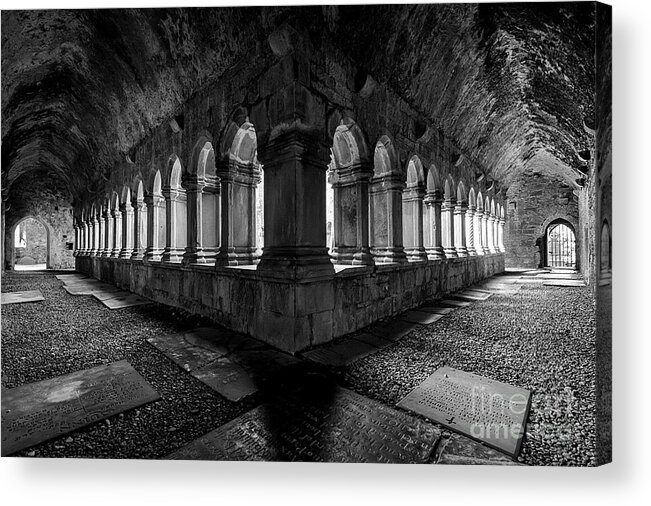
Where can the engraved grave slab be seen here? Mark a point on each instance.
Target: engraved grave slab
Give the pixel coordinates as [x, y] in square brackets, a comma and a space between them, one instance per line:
[473, 295]
[20, 297]
[489, 411]
[455, 303]
[373, 340]
[343, 353]
[339, 427]
[436, 309]
[66, 277]
[37, 412]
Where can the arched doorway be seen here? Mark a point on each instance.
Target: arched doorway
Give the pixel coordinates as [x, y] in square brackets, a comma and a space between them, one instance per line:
[560, 245]
[605, 254]
[30, 245]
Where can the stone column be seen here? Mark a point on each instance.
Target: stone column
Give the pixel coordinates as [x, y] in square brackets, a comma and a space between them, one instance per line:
[85, 232]
[139, 229]
[500, 235]
[175, 225]
[127, 230]
[238, 182]
[412, 216]
[116, 224]
[95, 250]
[385, 193]
[106, 234]
[470, 231]
[460, 229]
[433, 201]
[154, 251]
[203, 209]
[78, 241]
[447, 221]
[295, 163]
[351, 227]
[484, 232]
[491, 234]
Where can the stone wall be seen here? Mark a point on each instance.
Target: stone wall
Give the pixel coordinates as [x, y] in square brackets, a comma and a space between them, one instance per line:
[534, 201]
[289, 315]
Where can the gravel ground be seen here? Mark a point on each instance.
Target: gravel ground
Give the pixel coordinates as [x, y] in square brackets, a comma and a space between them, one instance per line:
[68, 333]
[541, 339]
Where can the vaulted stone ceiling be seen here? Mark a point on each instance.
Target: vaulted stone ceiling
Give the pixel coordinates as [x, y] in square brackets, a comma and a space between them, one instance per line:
[512, 83]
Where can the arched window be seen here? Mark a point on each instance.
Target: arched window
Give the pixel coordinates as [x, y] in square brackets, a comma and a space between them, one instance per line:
[606, 261]
[127, 223]
[460, 209]
[412, 211]
[560, 245]
[385, 195]
[347, 181]
[139, 221]
[447, 218]
[432, 235]
[470, 223]
[156, 215]
[175, 214]
[239, 175]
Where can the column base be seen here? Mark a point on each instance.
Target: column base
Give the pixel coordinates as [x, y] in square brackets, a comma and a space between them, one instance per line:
[296, 264]
[172, 256]
[450, 253]
[389, 255]
[138, 255]
[416, 255]
[462, 252]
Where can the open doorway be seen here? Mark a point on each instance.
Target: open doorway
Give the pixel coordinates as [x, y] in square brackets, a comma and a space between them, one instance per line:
[560, 250]
[31, 245]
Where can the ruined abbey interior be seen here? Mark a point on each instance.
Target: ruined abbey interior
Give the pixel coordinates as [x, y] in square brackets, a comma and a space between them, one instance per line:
[299, 177]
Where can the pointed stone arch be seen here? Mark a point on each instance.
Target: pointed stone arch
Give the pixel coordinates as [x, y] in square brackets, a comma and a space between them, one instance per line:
[412, 211]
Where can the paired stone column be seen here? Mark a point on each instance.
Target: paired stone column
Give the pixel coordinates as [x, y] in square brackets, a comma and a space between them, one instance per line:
[238, 182]
[433, 201]
[500, 234]
[116, 225]
[412, 221]
[155, 227]
[78, 242]
[470, 231]
[447, 222]
[204, 222]
[385, 194]
[460, 228]
[127, 230]
[139, 229]
[97, 240]
[106, 233]
[491, 234]
[484, 232]
[85, 237]
[295, 163]
[351, 204]
[175, 224]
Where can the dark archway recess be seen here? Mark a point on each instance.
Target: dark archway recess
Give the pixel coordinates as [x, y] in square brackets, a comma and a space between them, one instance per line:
[560, 245]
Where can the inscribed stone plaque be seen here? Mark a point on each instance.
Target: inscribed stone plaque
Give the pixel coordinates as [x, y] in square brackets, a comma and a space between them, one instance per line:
[340, 426]
[491, 412]
[37, 412]
[20, 297]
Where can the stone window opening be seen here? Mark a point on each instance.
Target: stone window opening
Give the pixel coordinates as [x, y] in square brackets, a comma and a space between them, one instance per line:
[560, 247]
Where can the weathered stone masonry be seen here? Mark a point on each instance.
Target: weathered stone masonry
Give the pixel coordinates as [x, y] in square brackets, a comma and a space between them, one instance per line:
[191, 193]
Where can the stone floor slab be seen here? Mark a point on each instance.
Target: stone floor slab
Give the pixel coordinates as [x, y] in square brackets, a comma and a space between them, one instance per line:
[37, 412]
[110, 292]
[123, 301]
[373, 340]
[332, 426]
[393, 330]
[21, 297]
[87, 289]
[420, 317]
[455, 303]
[456, 449]
[67, 277]
[436, 309]
[340, 354]
[472, 296]
[227, 378]
[564, 282]
[489, 411]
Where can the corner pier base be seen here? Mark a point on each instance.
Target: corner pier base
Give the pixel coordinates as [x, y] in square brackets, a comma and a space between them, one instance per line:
[293, 315]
